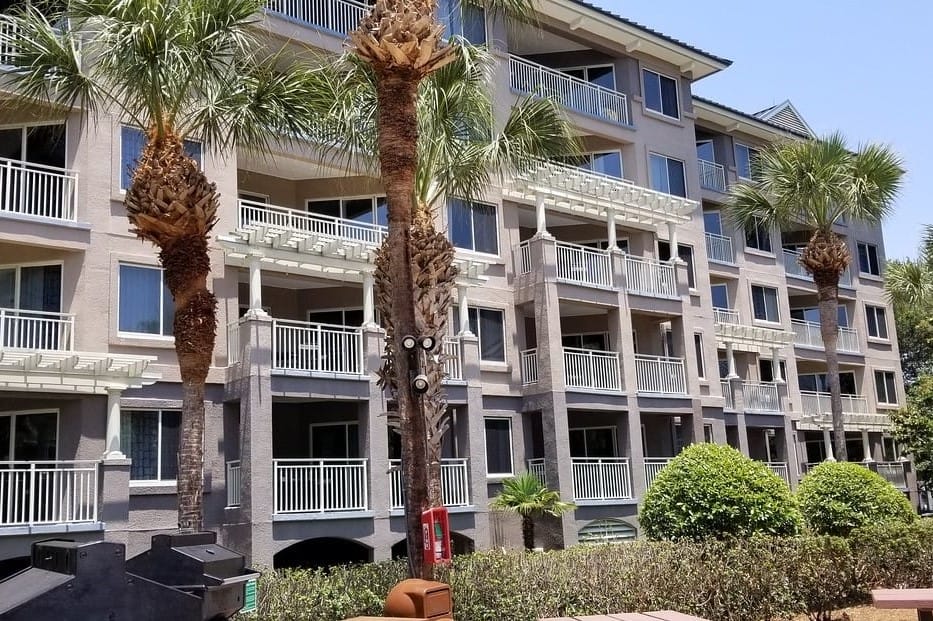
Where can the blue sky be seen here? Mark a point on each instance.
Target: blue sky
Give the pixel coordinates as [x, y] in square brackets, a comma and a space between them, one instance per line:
[860, 67]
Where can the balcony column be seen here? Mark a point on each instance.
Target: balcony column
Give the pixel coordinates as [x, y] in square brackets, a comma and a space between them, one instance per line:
[672, 240]
[828, 444]
[369, 312]
[730, 359]
[611, 229]
[255, 286]
[464, 310]
[540, 218]
[866, 446]
[776, 366]
[112, 450]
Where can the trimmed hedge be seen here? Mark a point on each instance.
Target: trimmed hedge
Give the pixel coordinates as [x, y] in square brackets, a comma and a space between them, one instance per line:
[836, 497]
[739, 580]
[712, 490]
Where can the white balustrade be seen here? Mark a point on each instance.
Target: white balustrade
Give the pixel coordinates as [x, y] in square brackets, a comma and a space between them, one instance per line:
[48, 492]
[316, 347]
[893, 472]
[726, 387]
[650, 277]
[233, 483]
[453, 359]
[38, 191]
[591, 369]
[584, 266]
[455, 483]
[309, 226]
[530, 366]
[36, 330]
[760, 397]
[601, 478]
[712, 175]
[233, 343]
[7, 35]
[719, 248]
[660, 375]
[807, 334]
[819, 403]
[573, 93]
[779, 468]
[536, 467]
[337, 16]
[653, 467]
[726, 315]
[524, 257]
[319, 485]
[793, 268]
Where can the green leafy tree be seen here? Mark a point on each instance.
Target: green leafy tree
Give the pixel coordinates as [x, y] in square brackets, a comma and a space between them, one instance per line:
[527, 496]
[177, 69]
[816, 184]
[909, 285]
[913, 426]
[712, 490]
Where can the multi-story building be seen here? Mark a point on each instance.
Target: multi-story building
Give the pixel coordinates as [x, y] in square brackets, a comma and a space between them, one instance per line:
[607, 315]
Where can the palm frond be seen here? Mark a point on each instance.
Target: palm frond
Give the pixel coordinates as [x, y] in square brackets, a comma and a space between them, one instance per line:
[909, 283]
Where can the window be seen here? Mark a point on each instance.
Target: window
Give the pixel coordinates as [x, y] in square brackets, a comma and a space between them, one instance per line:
[660, 93]
[698, 346]
[712, 222]
[146, 306]
[607, 163]
[473, 226]
[498, 447]
[667, 175]
[31, 287]
[593, 442]
[764, 303]
[667, 342]
[463, 18]
[596, 341]
[758, 236]
[723, 364]
[367, 209]
[686, 255]
[489, 326]
[746, 159]
[812, 315]
[37, 144]
[868, 259]
[885, 387]
[877, 322]
[335, 441]
[28, 437]
[339, 317]
[706, 151]
[600, 75]
[766, 370]
[132, 141]
[151, 439]
[708, 434]
[816, 382]
[720, 294]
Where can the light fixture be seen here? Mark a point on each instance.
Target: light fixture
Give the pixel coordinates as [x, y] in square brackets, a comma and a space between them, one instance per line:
[427, 343]
[409, 343]
[420, 384]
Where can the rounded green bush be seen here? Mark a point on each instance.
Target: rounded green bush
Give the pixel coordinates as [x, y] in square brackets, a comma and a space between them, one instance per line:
[712, 490]
[836, 497]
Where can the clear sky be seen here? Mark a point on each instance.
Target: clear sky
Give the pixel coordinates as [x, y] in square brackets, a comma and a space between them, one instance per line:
[864, 67]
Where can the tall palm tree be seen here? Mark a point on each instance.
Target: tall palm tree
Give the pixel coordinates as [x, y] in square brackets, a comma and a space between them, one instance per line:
[909, 287]
[816, 184]
[527, 496]
[177, 69]
[910, 281]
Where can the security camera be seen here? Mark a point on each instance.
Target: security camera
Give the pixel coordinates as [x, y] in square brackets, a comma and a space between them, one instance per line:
[420, 384]
[427, 343]
[409, 343]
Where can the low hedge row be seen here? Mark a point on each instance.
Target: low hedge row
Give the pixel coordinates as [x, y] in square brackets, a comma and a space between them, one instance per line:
[752, 579]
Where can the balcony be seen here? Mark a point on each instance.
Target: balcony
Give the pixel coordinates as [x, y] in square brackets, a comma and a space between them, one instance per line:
[894, 473]
[819, 404]
[578, 95]
[653, 467]
[779, 468]
[48, 493]
[233, 483]
[793, 268]
[601, 479]
[719, 249]
[36, 330]
[726, 316]
[453, 360]
[455, 483]
[334, 16]
[319, 485]
[35, 191]
[580, 265]
[712, 176]
[537, 468]
[529, 367]
[650, 277]
[7, 31]
[589, 369]
[726, 387]
[761, 397]
[659, 375]
[316, 348]
[807, 334]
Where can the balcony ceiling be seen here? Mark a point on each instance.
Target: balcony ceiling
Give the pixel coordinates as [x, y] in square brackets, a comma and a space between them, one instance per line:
[753, 339]
[528, 40]
[852, 422]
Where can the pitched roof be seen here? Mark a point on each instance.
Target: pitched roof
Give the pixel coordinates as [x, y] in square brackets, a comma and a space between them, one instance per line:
[755, 118]
[786, 115]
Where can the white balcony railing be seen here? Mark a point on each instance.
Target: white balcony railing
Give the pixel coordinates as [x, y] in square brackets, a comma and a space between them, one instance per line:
[660, 375]
[779, 468]
[7, 33]
[653, 467]
[819, 404]
[233, 343]
[590, 369]
[319, 485]
[524, 257]
[38, 191]
[650, 277]
[233, 483]
[530, 366]
[336, 16]
[310, 226]
[760, 397]
[719, 248]
[601, 478]
[453, 362]
[455, 483]
[893, 472]
[807, 334]
[572, 93]
[536, 466]
[712, 175]
[793, 268]
[36, 330]
[726, 387]
[584, 266]
[48, 492]
[726, 315]
[316, 347]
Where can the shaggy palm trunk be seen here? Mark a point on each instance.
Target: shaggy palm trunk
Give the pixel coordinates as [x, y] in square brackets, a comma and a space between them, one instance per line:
[826, 257]
[528, 532]
[171, 204]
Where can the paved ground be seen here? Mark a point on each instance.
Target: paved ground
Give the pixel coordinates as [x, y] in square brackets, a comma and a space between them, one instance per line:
[867, 613]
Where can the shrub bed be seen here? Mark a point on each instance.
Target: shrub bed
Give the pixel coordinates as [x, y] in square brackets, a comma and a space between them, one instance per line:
[742, 580]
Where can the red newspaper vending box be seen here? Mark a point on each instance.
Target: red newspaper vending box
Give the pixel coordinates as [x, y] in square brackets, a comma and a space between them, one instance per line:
[435, 528]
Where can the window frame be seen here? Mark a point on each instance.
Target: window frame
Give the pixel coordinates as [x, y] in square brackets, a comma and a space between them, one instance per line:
[749, 150]
[123, 169]
[163, 290]
[725, 287]
[817, 374]
[478, 331]
[718, 213]
[689, 259]
[346, 437]
[373, 198]
[614, 435]
[761, 233]
[884, 373]
[586, 71]
[446, 22]
[589, 155]
[880, 316]
[701, 361]
[17, 285]
[12, 414]
[877, 260]
[24, 138]
[777, 305]
[157, 481]
[499, 475]
[644, 86]
[343, 310]
[667, 158]
[473, 250]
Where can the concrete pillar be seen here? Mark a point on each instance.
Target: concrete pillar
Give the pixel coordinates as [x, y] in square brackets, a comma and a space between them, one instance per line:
[776, 365]
[730, 359]
[742, 433]
[369, 311]
[866, 446]
[828, 444]
[113, 450]
[557, 458]
[611, 229]
[672, 240]
[540, 217]
[474, 445]
[464, 310]
[255, 285]
[636, 452]
[374, 420]
[114, 509]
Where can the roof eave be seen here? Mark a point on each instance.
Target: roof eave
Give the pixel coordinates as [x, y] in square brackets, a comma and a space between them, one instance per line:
[707, 111]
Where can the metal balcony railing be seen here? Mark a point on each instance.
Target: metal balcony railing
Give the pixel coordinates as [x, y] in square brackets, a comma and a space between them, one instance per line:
[590, 369]
[233, 483]
[719, 248]
[585, 266]
[38, 191]
[601, 478]
[712, 175]
[530, 366]
[316, 347]
[336, 16]
[36, 330]
[36, 493]
[660, 375]
[455, 483]
[650, 277]
[760, 397]
[807, 334]
[653, 467]
[319, 485]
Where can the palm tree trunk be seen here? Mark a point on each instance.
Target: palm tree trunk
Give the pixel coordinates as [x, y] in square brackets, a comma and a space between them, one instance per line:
[528, 532]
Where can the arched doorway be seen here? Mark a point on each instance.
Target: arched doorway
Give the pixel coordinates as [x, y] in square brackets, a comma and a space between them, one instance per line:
[460, 543]
[322, 552]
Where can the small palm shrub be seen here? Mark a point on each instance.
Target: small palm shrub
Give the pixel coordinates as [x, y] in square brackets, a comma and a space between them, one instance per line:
[527, 496]
[837, 497]
[712, 490]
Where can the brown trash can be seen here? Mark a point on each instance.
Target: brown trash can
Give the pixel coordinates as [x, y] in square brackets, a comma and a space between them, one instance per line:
[419, 599]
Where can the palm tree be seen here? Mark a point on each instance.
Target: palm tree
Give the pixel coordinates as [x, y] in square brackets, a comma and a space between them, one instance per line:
[177, 69]
[909, 286]
[816, 184]
[527, 496]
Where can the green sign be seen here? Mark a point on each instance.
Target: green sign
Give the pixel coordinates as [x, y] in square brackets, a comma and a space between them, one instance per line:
[250, 592]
